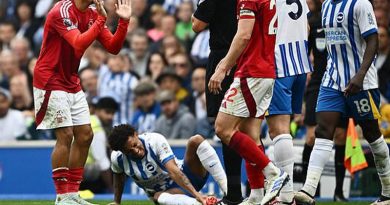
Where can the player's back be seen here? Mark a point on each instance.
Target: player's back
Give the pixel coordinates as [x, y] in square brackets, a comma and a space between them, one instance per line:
[257, 59]
[58, 62]
[291, 49]
[346, 24]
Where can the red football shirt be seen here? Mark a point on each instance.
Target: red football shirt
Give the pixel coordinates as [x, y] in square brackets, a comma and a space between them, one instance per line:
[67, 34]
[258, 58]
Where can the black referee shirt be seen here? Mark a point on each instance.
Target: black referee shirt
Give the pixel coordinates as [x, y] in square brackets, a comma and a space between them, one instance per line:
[222, 19]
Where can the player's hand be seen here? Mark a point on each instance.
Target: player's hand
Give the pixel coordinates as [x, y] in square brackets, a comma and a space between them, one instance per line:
[216, 79]
[355, 85]
[100, 7]
[123, 9]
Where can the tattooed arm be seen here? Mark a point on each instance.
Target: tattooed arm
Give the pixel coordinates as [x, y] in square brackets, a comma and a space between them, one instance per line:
[181, 179]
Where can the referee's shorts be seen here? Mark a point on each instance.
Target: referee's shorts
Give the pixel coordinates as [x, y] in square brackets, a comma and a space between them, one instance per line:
[213, 101]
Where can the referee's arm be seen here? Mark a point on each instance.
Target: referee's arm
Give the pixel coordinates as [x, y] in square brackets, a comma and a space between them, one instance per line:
[203, 15]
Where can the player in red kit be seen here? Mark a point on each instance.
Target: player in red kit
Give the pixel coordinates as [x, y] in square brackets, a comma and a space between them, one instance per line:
[60, 104]
[246, 101]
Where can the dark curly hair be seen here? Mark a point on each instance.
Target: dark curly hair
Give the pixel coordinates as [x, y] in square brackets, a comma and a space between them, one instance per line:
[119, 136]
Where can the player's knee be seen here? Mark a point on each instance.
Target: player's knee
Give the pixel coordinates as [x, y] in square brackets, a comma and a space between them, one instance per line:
[195, 141]
[64, 136]
[221, 130]
[323, 132]
[85, 138]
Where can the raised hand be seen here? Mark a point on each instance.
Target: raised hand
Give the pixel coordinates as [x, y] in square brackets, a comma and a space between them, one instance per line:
[123, 9]
[100, 7]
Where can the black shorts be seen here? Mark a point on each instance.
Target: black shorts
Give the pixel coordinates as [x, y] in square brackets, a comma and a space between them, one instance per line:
[213, 101]
[311, 96]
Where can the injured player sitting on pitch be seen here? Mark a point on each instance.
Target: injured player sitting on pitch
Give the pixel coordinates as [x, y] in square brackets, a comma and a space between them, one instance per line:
[148, 159]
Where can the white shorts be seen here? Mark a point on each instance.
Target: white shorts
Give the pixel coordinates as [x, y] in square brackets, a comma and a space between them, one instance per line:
[56, 108]
[248, 97]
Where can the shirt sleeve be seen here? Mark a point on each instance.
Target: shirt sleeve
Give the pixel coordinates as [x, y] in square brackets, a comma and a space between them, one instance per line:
[206, 10]
[113, 43]
[247, 9]
[116, 158]
[365, 18]
[164, 151]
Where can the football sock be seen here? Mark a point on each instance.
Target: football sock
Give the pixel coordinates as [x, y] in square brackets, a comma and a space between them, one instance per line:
[232, 161]
[284, 159]
[381, 157]
[176, 199]
[319, 157]
[60, 178]
[256, 181]
[74, 179]
[339, 168]
[210, 161]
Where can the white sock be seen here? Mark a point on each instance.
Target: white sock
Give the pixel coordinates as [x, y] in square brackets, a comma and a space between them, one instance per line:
[210, 161]
[176, 199]
[270, 171]
[283, 158]
[319, 157]
[381, 157]
[256, 195]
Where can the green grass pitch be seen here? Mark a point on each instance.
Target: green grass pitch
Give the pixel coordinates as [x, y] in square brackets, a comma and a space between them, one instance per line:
[141, 203]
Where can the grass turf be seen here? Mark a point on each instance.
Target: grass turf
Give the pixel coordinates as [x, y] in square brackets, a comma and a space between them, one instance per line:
[143, 203]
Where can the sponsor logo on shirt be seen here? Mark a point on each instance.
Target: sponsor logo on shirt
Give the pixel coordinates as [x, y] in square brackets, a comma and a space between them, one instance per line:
[336, 35]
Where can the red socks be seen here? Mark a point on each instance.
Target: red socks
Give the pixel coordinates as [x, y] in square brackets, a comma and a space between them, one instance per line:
[247, 149]
[60, 176]
[74, 179]
[255, 175]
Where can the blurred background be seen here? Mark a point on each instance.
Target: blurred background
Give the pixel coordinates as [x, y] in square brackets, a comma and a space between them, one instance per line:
[161, 53]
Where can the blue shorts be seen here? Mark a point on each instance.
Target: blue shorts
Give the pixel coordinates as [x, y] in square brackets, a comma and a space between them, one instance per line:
[362, 106]
[288, 95]
[196, 181]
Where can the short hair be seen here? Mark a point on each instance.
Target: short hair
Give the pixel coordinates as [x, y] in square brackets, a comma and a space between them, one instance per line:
[119, 136]
[107, 103]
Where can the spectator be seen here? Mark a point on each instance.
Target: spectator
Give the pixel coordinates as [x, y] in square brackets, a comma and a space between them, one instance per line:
[171, 5]
[96, 56]
[168, 25]
[382, 17]
[7, 33]
[89, 78]
[176, 122]
[117, 82]
[142, 12]
[170, 46]
[381, 4]
[382, 62]
[184, 27]
[12, 122]
[198, 103]
[200, 48]
[9, 67]
[157, 13]
[148, 110]
[169, 80]
[27, 25]
[139, 51]
[156, 65]
[97, 173]
[20, 46]
[7, 9]
[21, 96]
[182, 66]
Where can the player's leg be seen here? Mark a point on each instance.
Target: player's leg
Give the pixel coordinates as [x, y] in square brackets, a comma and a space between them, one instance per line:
[364, 107]
[80, 147]
[251, 126]
[331, 104]
[230, 158]
[249, 97]
[174, 196]
[201, 158]
[339, 141]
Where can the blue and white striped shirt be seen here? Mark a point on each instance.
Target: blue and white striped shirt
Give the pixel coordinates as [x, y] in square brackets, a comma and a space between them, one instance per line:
[119, 86]
[149, 173]
[346, 24]
[291, 48]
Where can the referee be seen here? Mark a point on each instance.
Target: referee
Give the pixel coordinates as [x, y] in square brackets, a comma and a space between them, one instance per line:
[220, 17]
